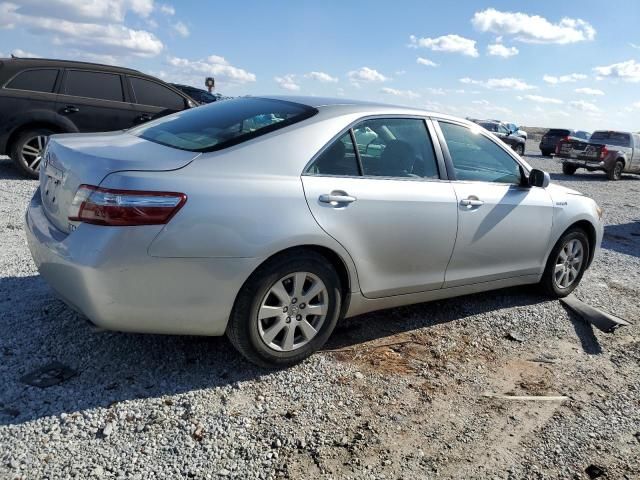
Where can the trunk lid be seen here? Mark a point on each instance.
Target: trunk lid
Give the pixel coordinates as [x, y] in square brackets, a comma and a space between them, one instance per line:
[75, 159]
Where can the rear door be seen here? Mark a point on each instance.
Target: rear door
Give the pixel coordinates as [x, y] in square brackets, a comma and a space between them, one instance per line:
[95, 101]
[386, 204]
[153, 100]
[503, 227]
[29, 89]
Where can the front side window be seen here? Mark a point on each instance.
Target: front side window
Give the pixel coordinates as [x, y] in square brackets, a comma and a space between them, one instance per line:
[337, 159]
[43, 80]
[477, 158]
[395, 147]
[99, 85]
[156, 95]
[222, 124]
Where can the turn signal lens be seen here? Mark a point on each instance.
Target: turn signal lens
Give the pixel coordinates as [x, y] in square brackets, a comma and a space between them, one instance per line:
[105, 206]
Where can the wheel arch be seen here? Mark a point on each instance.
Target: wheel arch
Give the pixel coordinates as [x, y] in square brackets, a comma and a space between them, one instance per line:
[590, 230]
[31, 126]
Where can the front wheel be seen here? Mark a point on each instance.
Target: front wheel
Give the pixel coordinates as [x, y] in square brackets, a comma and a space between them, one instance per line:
[616, 172]
[27, 150]
[568, 169]
[566, 264]
[519, 149]
[286, 310]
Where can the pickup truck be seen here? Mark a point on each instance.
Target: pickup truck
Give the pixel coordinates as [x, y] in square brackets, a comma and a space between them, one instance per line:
[613, 152]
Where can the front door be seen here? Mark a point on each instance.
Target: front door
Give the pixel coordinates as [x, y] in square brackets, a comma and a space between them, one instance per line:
[503, 226]
[386, 205]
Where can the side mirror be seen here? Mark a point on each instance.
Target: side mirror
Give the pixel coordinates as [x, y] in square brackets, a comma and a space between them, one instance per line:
[538, 178]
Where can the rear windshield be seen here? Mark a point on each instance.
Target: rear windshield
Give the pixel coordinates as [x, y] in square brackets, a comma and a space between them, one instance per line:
[612, 138]
[558, 132]
[489, 126]
[222, 124]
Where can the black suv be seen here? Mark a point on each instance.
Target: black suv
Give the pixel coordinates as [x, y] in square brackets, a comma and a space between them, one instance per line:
[553, 136]
[504, 133]
[39, 97]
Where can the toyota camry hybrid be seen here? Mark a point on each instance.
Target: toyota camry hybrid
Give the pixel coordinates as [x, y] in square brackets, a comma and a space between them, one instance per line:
[271, 218]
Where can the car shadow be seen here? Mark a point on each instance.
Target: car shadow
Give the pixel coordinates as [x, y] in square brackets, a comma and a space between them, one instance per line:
[9, 171]
[623, 238]
[111, 367]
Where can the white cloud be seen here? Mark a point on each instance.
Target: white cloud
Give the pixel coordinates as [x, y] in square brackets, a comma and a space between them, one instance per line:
[181, 29]
[436, 91]
[167, 9]
[91, 26]
[584, 106]
[571, 77]
[506, 83]
[400, 93]
[24, 54]
[447, 43]
[628, 71]
[499, 50]
[214, 66]
[481, 102]
[287, 82]
[533, 28]
[541, 99]
[589, 91]
[321, 77]
[426, 62]
[366, 74]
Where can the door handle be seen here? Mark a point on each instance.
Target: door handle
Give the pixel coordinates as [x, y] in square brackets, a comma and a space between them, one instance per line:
[70, 109]
[471, 202]
[335, 199]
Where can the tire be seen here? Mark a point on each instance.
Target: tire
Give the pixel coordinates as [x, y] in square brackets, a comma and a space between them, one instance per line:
[616, 172]
[252, 335]
[519, 149]
[550, 283]
[545, 153]
[568, 169]
[26, 151]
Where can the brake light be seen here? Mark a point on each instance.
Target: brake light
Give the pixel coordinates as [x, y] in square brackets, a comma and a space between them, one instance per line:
[105, 206]
[567, 138]
[604, 152]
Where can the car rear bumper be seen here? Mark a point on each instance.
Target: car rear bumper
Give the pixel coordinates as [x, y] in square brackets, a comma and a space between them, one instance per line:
[106, 274]
[595, 164]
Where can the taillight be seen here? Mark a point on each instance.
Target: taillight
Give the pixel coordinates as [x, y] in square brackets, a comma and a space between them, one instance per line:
[105, 206]
[603, 152]
[566, 138]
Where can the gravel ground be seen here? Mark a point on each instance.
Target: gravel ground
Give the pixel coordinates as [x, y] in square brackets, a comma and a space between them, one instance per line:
[411, 392]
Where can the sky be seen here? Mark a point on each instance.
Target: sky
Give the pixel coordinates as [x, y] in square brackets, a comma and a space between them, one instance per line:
[573, 64]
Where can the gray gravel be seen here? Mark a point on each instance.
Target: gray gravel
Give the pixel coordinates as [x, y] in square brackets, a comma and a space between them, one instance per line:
[412, 392]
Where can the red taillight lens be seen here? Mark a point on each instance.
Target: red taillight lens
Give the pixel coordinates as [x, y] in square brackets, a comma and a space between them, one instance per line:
[603, 153]
[105, 206]
[567, 138]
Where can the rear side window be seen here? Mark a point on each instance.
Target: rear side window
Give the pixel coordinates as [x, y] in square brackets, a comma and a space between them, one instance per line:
[222, 124]
[99, 85]
[338, 159]
[156, 95]
[612, 138]
[43, 80]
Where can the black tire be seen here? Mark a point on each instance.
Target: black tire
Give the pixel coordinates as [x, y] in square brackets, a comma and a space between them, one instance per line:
[568, 169]
[616, 172]
[242, 329]
[545, 153]
[16, 151]
[519, 149]
[547, 282]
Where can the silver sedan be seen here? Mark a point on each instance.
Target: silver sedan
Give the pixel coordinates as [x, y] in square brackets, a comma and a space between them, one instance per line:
[270, 218]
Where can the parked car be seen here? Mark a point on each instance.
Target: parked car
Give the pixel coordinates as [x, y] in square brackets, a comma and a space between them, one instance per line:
[510, 137]
[198, 223]
[516, 130]
[199, 95]
[550, 139]
[39, 97]
[612, 152]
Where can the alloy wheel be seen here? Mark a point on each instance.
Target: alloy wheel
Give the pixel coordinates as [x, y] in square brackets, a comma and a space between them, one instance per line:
[293, 311]
[32, 151]
[568, 263]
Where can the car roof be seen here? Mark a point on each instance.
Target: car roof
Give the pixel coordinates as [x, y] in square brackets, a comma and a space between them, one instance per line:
[346, 106]
[50, 62]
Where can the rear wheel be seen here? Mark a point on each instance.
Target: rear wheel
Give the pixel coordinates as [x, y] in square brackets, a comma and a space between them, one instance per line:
[545, 153]
[568, 169]
[286, 310]
[616, 172]
[566, 264]
[27, 150]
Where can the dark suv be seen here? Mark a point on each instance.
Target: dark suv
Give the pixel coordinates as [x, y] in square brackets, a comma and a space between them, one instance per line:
[553, 136]
[39, 97]
[504, 133]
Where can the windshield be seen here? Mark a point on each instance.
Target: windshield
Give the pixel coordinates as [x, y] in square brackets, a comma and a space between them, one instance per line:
[558, 132]
[222, 124]
[612, 138]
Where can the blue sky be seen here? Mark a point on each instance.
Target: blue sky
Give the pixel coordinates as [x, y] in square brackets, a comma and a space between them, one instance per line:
[571, 63]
